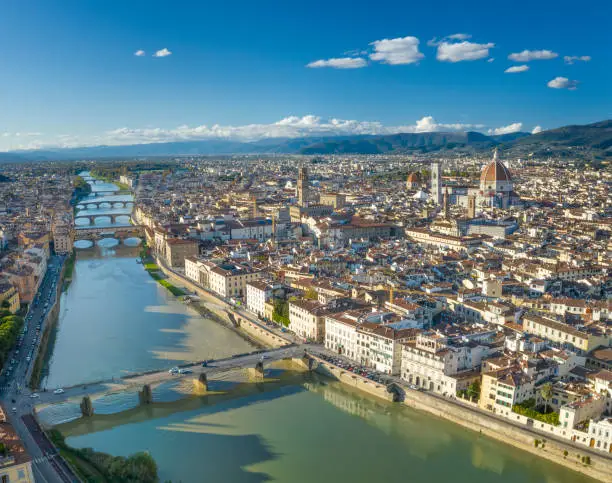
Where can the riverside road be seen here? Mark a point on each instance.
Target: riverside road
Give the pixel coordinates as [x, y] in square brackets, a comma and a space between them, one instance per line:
[46, 465]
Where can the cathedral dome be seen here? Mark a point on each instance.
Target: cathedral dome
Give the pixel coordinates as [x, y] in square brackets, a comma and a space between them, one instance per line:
[495, 171]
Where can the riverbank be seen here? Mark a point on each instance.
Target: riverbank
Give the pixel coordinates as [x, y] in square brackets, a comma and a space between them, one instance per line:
[469, 416]
[228, 313]
[48, 325]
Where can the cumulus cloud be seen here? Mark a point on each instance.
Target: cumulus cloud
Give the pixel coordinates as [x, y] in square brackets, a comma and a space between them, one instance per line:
[139, 53]
[291, 127]
[402, 50]
[529, 55]
[516, 68]
[510, 128]
[536, 130]
[563, 83]
[162, 53]
[339, 63]
[464, 50]
[570, 59]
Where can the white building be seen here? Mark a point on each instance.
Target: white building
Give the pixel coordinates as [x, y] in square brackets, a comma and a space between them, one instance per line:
[433, 363]
[258, 292]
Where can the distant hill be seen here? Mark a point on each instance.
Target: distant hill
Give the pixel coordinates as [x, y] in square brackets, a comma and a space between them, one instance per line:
[595, 138]
[592, 140]
[401, 143]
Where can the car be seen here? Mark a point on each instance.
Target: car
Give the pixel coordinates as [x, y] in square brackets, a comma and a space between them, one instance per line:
[265, 356]
[174, 370]
[34, 395]
[28, 359]
[59, 390]
[14, 410]
[185, 371]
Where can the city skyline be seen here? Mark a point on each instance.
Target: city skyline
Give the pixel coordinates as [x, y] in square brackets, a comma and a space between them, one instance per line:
[105, 73]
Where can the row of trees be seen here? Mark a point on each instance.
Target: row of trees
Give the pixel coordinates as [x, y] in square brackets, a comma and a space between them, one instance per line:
[139, 467]
[10, 327]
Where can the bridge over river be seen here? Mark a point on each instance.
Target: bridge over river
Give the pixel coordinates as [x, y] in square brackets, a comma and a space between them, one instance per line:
[138, 381]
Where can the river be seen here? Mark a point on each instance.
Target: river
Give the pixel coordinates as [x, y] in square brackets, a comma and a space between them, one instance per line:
[300, 428]
[115, 319]
[307, 431]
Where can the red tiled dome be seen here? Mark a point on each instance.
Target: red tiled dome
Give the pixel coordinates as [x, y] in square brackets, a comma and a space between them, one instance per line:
[414, 178]
[495, 171]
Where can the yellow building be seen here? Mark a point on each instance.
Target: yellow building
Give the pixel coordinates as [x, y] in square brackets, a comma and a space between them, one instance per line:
[10, 295]
[585, 338]
[15, 463]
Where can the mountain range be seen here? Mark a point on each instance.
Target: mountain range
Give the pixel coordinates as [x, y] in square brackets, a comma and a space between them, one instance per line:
[591, 141]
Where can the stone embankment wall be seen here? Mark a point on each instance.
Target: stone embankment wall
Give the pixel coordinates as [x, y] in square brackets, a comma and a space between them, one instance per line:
[470, 416]
[35, 370]
[347, 377]
[222, 309]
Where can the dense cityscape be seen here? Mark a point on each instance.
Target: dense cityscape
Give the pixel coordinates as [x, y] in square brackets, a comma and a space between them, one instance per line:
[305, 242]
[470, 283]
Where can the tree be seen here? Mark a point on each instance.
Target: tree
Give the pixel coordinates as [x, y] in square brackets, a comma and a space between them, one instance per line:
[473, 390]
[311, 294]
[546, 393]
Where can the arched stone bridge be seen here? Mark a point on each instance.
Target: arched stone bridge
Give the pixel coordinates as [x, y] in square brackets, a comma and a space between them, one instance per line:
[119, 232]
[92, 218]
[98, 204]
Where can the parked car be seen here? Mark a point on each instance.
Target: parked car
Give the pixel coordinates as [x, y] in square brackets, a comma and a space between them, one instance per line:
[59, 390]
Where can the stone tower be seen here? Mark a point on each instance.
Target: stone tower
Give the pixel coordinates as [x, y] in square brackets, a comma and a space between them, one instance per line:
[302, 186]
[471, 211]
[436, 183]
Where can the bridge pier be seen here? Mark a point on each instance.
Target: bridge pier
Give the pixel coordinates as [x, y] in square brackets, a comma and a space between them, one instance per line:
[87, 407]
[201, 383]
[309, 362]
[146, 395]
[257, 372]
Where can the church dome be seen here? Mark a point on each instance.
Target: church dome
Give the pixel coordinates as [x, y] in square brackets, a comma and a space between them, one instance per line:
[495, 171]
[413, 178]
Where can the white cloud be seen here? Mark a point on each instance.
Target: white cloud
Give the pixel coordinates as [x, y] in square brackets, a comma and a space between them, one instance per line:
[339, 63]
[402, 50]
[529, 55]
[491, 59]
[162, 53]
[460, 51]
[516, 68]
[459, 37]
[139, 53]
[536, 130]
[510, 128]
[570, 59]
[291, 127]
[563, 83]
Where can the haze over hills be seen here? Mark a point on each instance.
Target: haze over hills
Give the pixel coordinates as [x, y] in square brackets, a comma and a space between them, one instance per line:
[591, 141]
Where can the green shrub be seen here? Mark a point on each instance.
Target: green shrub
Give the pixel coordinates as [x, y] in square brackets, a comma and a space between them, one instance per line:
[526, 408]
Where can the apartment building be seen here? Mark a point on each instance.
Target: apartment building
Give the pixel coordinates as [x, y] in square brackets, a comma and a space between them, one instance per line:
[258, 292]
[380, 346]
[230, 280]
[176, 250]
[432, 362]
[581, 338]
[9, 296]
[307, 319]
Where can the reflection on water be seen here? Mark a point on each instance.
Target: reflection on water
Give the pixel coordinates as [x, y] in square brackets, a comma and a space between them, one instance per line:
[308, 432]
[115, 319]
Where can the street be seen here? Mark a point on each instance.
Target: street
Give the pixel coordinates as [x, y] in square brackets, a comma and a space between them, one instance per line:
[15, 395]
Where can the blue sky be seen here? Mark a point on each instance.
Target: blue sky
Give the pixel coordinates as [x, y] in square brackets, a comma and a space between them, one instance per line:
[69, 76]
